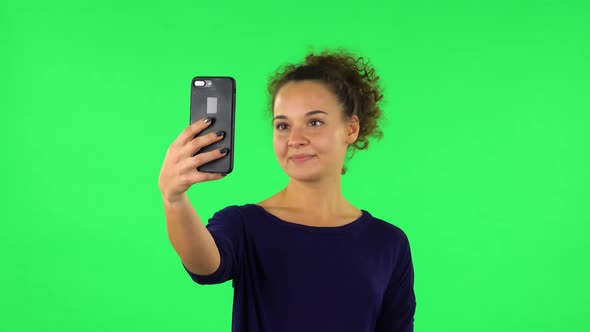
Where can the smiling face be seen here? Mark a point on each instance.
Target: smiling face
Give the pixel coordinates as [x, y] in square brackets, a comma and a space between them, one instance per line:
[308, 121]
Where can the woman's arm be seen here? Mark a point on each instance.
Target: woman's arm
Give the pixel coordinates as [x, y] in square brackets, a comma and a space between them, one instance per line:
[190, 238]
[399, 303]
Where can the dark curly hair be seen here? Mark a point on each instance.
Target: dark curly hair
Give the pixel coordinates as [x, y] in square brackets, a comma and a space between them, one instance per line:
[352, 80]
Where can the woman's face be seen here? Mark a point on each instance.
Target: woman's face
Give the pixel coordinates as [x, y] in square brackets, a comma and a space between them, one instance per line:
[308, 122]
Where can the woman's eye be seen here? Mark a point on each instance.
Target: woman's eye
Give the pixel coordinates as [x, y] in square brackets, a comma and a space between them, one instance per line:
[282, 126]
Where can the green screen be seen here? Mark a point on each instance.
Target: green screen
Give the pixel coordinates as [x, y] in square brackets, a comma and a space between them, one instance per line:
[484, 162]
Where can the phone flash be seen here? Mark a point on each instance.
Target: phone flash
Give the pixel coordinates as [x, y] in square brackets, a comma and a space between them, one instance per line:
[206, 83]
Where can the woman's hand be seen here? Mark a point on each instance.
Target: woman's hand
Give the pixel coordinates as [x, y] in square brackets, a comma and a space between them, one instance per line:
[179, 170]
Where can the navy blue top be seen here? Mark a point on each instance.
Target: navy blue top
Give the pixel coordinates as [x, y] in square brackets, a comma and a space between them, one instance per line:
[291, 277]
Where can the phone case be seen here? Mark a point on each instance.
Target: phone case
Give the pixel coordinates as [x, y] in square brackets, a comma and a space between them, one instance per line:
[216, 99]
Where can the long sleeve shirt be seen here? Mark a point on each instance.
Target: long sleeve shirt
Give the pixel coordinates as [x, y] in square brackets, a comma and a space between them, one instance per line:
[288, 277]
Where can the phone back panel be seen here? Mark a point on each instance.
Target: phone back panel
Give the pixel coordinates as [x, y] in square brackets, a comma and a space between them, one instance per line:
[218, 101]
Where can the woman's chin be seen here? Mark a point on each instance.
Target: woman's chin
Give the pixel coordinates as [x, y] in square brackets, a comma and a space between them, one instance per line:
[300, 174]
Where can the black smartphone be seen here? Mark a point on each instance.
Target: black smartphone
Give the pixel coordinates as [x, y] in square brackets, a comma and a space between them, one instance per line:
[215, 96]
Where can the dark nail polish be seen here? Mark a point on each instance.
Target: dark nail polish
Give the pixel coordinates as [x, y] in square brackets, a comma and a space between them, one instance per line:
[223, 151]
[219, 133]
[208, 119]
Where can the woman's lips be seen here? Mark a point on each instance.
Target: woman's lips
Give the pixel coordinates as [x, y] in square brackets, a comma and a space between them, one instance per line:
[301, 159]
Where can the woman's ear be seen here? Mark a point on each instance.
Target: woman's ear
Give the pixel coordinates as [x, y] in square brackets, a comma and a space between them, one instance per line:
[353, 129]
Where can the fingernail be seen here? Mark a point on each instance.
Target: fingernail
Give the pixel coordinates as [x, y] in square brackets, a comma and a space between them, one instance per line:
[223, 151]
[208, 119]
[219, 133]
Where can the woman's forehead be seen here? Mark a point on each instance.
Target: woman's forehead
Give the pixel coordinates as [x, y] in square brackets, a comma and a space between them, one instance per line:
[299, 98]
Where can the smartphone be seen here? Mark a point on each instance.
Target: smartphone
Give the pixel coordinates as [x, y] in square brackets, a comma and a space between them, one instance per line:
[215, 96]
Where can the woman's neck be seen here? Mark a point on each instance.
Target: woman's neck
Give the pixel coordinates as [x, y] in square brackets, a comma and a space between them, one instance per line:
[323, 199]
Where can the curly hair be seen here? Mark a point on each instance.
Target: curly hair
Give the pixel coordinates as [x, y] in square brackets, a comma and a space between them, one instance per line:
[353, 82]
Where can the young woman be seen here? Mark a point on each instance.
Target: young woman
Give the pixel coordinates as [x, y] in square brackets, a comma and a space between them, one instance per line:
[304, 259]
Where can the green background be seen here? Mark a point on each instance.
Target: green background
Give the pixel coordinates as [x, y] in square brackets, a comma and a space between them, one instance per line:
[484, 163]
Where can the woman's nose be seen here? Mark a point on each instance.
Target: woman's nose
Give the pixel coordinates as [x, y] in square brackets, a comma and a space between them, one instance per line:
[297, 137]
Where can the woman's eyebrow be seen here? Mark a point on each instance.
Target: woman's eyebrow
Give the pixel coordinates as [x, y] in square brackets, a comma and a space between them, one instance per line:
[306, 114]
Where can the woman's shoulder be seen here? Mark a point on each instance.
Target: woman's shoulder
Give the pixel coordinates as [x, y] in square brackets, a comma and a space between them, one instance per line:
[268, 203]
[387, 230]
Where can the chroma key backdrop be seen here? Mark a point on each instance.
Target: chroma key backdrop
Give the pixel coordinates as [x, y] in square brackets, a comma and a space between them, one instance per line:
[484, 162]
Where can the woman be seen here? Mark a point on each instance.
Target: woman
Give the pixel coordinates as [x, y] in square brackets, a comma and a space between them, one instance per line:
[305, 259]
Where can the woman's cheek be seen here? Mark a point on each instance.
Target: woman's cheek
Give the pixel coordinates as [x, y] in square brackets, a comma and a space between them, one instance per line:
[280, 145]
